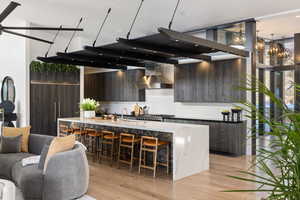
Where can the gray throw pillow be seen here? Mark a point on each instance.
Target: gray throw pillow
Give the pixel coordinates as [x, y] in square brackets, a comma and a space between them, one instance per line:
[11, 144]
[43, 156]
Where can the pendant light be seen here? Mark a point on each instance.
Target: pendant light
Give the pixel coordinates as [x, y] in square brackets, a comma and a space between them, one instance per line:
[273, 48]
[239, 38]
[260, 43]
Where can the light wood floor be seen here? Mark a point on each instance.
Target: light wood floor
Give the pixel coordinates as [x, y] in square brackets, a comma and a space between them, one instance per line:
[107, 183]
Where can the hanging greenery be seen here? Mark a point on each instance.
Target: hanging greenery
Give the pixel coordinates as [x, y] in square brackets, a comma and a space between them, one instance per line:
[36, 66]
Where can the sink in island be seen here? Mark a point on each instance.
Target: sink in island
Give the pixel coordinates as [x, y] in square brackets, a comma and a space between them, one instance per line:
[189, 143]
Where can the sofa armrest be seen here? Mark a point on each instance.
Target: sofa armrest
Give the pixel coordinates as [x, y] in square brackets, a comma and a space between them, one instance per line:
[67, 175]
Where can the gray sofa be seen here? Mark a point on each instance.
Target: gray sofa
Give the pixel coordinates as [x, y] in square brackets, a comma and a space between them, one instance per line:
[66, 176]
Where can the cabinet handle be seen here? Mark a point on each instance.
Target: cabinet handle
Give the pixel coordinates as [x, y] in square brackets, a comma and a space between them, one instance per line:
[59, 109]
[54, 111]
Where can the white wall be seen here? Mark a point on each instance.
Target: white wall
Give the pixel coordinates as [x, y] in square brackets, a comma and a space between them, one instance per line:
[39, 49]
[161, 101]
[13, 62]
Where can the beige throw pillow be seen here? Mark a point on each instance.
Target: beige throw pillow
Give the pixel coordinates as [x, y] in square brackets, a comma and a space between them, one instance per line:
[59, 144]
[25, 131]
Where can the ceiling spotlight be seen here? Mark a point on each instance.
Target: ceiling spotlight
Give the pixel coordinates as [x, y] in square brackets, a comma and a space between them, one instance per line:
[298, 16]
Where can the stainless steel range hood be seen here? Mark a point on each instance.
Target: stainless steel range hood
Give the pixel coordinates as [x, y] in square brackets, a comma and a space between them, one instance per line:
[155, 80]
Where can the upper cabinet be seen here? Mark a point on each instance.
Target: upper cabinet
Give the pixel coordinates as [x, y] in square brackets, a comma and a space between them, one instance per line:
[115, 86]
[218, 81]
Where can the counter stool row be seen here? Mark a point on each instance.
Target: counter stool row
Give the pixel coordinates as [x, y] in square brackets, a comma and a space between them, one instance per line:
[124, 147]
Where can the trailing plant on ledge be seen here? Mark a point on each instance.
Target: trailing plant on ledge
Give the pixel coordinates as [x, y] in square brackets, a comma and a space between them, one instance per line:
[276, 169]
[36, 66]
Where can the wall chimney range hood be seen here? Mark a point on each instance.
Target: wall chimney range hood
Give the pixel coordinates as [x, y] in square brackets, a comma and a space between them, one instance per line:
[156, 82]
[154, 79]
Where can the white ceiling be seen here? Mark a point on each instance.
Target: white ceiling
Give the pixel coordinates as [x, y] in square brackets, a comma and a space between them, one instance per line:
[155, 13]
[283, 25]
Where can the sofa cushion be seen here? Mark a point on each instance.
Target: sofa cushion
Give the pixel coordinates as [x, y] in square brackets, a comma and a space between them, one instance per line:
[10, 144]
[59, 144]
[25, 132]
[7, 161]
[29, 179]
[37, 142]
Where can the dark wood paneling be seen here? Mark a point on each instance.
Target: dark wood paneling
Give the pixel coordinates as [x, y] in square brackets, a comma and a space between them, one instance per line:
[52, 95]
[230, 138]
[210, 82]
[115, 86]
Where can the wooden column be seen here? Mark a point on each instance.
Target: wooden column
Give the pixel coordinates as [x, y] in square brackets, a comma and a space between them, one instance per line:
[261, 102]
[250, 32]
[297, 70]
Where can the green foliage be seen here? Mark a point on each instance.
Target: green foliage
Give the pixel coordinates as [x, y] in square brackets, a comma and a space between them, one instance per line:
[37, 66]
[89, 105]
[276, 169]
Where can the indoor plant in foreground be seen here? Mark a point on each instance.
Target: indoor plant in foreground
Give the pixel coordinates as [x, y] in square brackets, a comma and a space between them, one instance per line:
[88, 107]
[276, 169]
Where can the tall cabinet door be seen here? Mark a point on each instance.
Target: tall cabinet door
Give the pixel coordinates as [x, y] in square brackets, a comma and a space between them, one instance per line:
[68, 100]
[43, 109]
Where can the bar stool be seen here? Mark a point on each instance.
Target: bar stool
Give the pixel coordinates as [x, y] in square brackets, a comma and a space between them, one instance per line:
[152, 145]
[64, 130]
[92, 138]
[108, 145]
[79, 133]
[127, 142]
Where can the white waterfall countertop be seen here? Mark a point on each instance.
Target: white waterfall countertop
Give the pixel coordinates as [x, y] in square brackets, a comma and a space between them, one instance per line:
[190, 142]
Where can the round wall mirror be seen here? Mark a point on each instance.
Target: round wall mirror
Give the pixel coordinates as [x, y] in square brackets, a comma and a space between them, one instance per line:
[8, 92]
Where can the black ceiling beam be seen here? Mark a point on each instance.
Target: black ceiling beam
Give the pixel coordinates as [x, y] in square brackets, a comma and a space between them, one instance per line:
[173, 52]
[196, 41]
[60, 60]
[101, 59]
[131, 55]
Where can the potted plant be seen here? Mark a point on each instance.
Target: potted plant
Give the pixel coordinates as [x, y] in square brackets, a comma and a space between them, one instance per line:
[88, 107]
[276, 168]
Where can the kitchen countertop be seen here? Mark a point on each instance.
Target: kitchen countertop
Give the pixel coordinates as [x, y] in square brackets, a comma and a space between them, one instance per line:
[135, 124]
[191, 119]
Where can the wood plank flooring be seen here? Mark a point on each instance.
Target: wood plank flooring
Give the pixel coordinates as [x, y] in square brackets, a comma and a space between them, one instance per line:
[110, 183]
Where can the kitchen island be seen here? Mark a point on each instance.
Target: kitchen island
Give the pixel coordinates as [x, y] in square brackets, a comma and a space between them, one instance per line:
[190, 143]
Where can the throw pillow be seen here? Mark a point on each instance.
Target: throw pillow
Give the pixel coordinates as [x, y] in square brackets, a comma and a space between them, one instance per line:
[10, 144]
[43, 156]
[59, 144]
[8, 131]
[32, 160]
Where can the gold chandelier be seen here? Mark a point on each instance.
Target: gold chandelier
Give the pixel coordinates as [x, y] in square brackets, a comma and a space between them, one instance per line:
[277, 49]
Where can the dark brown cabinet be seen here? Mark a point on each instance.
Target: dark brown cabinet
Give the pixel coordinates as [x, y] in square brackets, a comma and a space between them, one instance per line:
[115, 86]
[224, 137]
[50, 100]
[217, 81]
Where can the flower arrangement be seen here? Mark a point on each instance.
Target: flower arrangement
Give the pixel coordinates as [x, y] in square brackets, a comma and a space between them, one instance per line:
[89, 105]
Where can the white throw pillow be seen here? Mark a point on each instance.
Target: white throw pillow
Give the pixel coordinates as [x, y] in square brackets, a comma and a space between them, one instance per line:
[31, 160]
